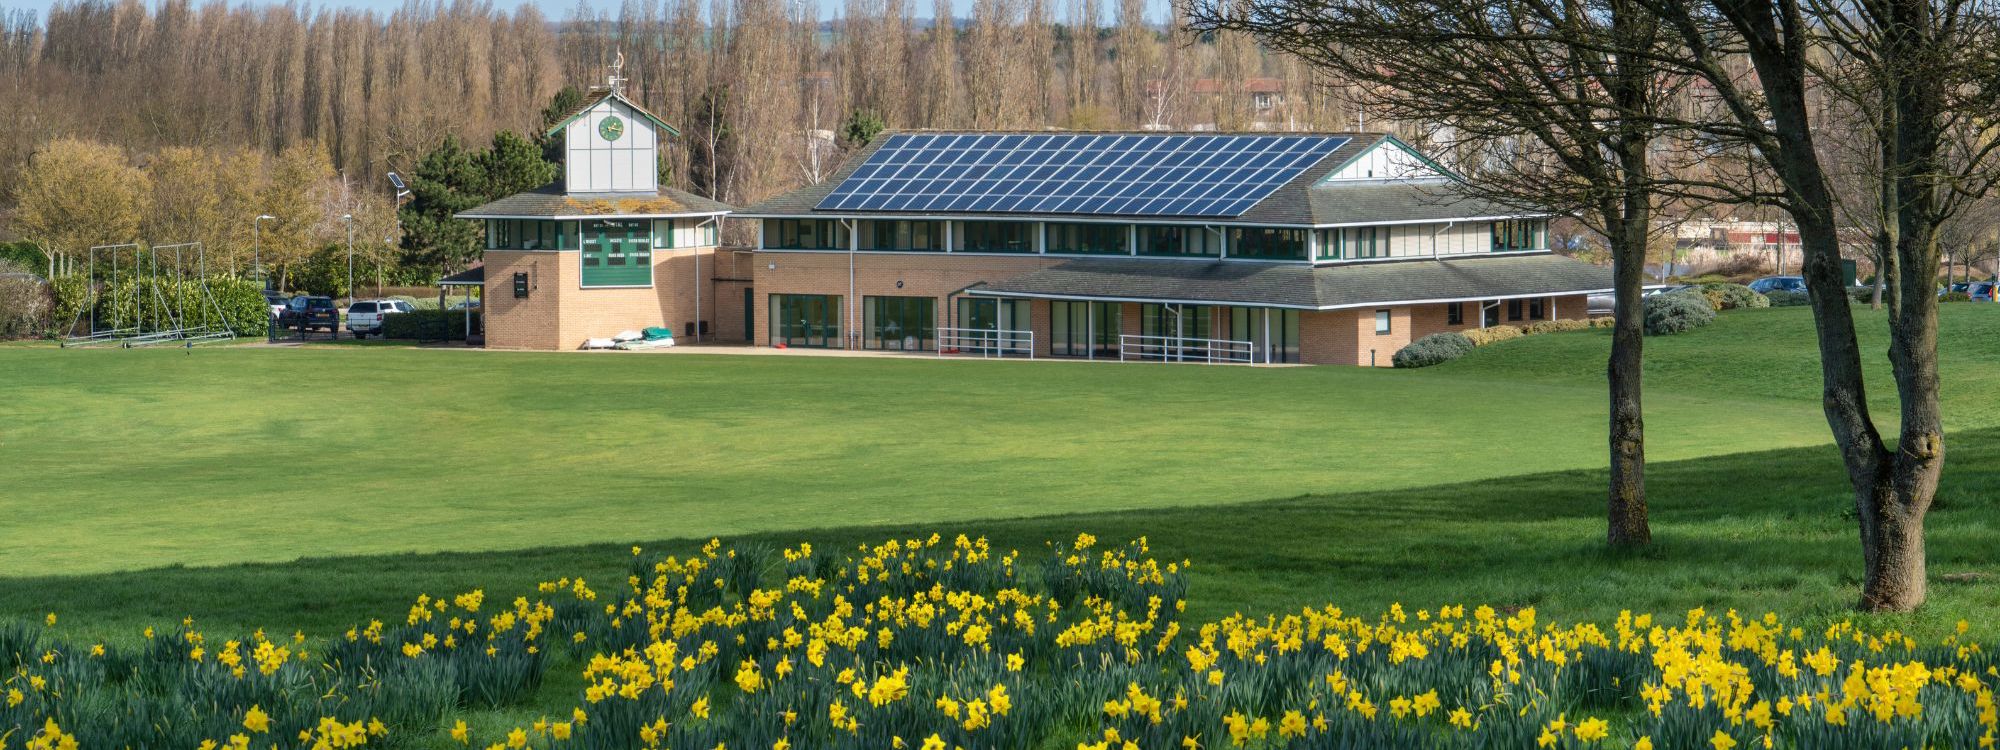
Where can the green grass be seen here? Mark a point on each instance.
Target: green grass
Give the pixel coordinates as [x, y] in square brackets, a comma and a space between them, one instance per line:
[162, 484]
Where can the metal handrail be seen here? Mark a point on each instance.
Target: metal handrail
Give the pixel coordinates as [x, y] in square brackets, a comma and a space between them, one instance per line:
[985, 342]
[1185, 349]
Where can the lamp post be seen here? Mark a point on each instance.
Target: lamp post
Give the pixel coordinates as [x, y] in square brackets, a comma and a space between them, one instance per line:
[257, 246]
[349, 218]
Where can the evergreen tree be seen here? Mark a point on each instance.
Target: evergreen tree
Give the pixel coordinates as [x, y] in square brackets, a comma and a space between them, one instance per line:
[862, 126]
[562, 105]
[512, 165]
[447, 181]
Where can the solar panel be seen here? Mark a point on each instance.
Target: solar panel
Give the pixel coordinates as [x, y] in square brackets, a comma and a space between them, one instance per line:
[1077, 173]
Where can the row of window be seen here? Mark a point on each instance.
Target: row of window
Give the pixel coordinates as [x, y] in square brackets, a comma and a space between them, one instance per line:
[1157, 240]
[539, 234]
[1076, 328]
[1534, 308]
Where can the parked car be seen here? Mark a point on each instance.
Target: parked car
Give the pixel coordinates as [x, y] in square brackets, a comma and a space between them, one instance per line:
[365, 317]
[276, 300]
[1779, 284]
[465, 303]
[1983, 291]
[308, 312]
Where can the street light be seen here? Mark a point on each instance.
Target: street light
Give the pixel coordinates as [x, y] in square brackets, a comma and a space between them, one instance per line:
[257, 245]
[349, 218]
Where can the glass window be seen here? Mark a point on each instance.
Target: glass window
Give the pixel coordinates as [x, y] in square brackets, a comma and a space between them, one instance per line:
[1329, 244]
[1179, 241]
[1267, 243]
[993, 315]
[1513, 309]
[1364, 242]
[1273, 334]
[995, 237]
[1179, 324]
[803, 234]
[897, 323]
[1089, 239]
[808, 320]
[1454, 314]
[1517, 234]
[1084, 329]
[1381, 321]
[900, 235]
[617, 253]
[1537, 309]
[663, 233]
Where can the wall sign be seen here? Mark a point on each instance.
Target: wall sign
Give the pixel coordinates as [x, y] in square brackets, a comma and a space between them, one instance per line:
[520, 285]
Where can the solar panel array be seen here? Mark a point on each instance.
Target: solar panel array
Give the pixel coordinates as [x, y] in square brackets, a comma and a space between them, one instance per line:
[1075, 173]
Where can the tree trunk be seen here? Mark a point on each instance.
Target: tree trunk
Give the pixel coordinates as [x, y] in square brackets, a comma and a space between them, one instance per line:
[1626, 505]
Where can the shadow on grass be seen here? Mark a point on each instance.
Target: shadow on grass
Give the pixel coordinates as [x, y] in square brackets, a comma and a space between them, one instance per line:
[1768, 531]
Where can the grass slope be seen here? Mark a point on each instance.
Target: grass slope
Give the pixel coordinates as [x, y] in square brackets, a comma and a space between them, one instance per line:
[1470, 482]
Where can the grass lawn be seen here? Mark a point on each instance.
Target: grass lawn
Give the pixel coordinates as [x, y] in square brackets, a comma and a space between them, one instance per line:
[147, 485]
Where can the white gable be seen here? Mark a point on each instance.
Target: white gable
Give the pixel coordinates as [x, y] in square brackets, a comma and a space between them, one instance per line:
[627, 163]
[1387, 160]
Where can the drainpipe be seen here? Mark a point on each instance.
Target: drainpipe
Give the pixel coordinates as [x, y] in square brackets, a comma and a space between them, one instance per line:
[853, 240]
[1434, 237]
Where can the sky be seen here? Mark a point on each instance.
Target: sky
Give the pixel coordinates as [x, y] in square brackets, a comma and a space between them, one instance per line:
[1156, 9]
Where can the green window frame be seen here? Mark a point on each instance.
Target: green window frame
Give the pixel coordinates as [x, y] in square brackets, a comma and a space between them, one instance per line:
[524, 234]
[663, 234]
[617, 253]
[806, 320]
[994, 237]
[899, 323]
[1516, 235]
[1365, 242]
[1088, 239]
[1267, 243]
[1084, 329]
[1179, 241]
[804, 234]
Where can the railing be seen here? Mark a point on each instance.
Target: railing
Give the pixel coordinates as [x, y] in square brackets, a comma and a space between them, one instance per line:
[1181, 349]
[986, 342]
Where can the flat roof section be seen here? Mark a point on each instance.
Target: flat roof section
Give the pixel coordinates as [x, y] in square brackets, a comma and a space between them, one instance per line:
[550, 202]
[1420, 280]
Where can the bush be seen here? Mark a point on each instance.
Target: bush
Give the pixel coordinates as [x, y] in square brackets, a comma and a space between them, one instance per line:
[24, 302]
[430, 325]
[1553, 326]
[1783, 298]
[233, 303]
[1955, 297]
[1484, 336]
[421, 303]
[1678, 312]
[1862, 296]
[1606, 321]
[1726, 296]
[1435, 349]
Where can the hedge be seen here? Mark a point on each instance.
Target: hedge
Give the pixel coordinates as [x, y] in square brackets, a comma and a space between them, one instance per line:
[1437, 348]
[1553, 326]
[1727, 296]
[238, 304]
[1484, 336]
[430, 325]
[1677, 312]
[1784, 298]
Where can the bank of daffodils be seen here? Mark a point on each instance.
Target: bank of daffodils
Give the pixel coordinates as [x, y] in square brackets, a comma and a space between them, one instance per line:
[930, 644]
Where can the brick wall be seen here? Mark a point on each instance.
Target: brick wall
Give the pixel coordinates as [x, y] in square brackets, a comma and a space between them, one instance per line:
[560, 313]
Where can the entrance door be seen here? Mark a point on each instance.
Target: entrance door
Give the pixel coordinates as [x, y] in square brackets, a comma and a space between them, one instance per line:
[749, 315]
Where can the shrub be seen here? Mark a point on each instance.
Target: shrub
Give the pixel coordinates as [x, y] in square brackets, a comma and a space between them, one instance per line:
[1484, 336]
[1435, 349]
[1678, 312]
[24, 302]
[430, 325]
[233, 303]
[1606, 321]
[1955, 297]
[1552, 326]
[1726, 296]
[421, 303]
[1783, 298]
[1861, 295]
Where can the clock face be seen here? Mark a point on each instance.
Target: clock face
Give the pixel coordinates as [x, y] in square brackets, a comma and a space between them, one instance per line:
[611, 128]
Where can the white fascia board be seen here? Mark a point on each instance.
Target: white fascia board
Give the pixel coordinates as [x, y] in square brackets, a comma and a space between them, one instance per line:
[1445, 300]
[1154, 300]
[1439, 220]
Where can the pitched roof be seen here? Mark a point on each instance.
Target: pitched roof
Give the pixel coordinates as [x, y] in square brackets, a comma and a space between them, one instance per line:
[597, 95]
[1307, 287]
[1302, 201]
[474, 276]
[550, 201]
